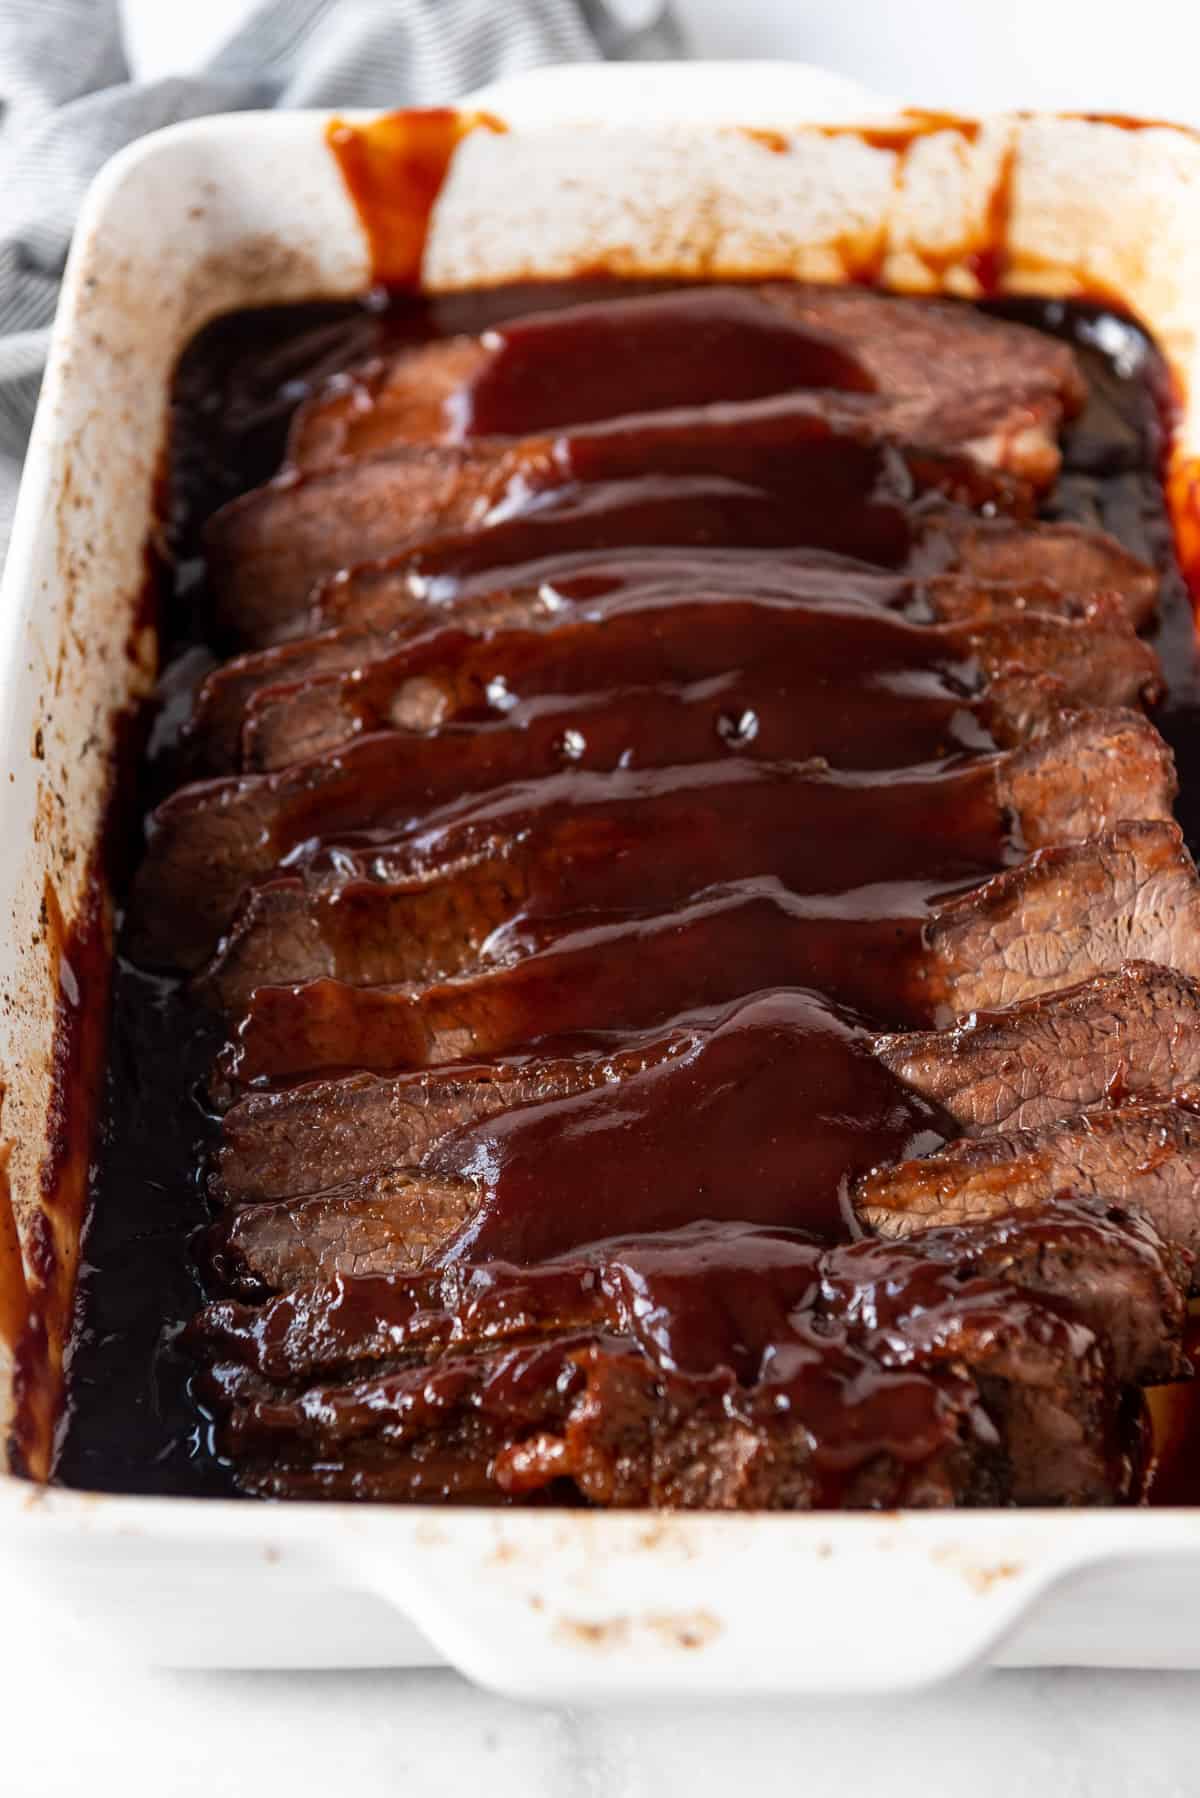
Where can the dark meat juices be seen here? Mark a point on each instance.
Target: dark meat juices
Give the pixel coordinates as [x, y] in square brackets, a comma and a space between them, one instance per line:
[133, 1422]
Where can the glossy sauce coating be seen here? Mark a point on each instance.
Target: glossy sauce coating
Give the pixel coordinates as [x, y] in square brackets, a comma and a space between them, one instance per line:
[856, 1362]
[395, 171]
[876, 691]
[704, 1129]
[380, 1318]
[1095, 485]
[692, 349]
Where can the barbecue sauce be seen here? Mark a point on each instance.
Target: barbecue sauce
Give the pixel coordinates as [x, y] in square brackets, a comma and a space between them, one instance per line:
[697, 348]
[629, 838]
[135, 1422]
[628, 974]
[648, 840]
[617, 1161]
[871, 695]
[853, 1360]
[394, 170]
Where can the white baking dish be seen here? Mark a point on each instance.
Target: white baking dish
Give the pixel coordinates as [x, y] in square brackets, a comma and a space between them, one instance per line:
[636, 169]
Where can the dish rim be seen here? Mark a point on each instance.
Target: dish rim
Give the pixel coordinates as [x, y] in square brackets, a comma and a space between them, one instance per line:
[1002, 1561]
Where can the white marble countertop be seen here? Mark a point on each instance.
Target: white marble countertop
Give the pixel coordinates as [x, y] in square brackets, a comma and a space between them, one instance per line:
[78, 1720]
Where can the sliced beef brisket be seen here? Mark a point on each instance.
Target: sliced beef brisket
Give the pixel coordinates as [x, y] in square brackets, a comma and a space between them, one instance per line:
[953, 555]
[1133, 1032]
[608, 976]
[309, 1137]
[803, 470]
[865, 684]
[1133, 1296]
[931, 369]
[1129, 894]
[1146, 1157]
[710, 976]
[671, 1371]
[1073, 558]
[579, 838]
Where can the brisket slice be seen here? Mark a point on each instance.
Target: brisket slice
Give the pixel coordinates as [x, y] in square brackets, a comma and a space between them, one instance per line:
[345, 665]
[1133, 1032]
[379, 596]
[693, 1133]
[800, 470]
[597, 1423]
[1104, 1265]
[702, 823]
[1085, 1041]
[628, 974]
[1063, 915]
[1084, 773]
[308, 1138]
[957, 599]
[583, 839]
[933, 368]
[727, 1369]
[396, 1223]
[1132, 895]
[1143, 1156]
[385, 606]
[1058, 567]
[213, 734]
[752, 713]
[860, 687]
[820, 661]
[1072, 557]
[670, 515]
[628, 1438]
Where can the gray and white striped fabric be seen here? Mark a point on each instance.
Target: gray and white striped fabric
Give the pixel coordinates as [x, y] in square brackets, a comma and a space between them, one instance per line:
[67, 103]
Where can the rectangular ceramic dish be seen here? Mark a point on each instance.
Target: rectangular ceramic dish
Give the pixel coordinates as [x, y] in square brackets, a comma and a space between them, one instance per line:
[691, 170]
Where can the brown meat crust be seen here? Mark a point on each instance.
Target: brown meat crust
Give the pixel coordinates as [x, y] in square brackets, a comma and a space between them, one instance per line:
[1142, 1157]
[1129, 1033]
[1063, 915]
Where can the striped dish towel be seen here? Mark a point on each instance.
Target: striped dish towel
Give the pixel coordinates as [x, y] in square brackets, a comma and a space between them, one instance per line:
[68, 101]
